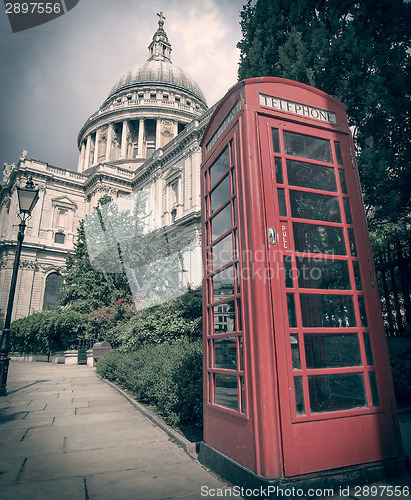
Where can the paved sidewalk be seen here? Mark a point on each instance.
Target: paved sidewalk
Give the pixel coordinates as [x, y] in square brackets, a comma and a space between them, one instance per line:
[66, 434]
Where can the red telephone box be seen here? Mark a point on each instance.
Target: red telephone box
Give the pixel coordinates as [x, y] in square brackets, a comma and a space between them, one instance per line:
[297, 380]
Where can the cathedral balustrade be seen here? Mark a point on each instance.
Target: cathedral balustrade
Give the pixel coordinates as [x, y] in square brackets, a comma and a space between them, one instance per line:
[139, 102]
[65, 173]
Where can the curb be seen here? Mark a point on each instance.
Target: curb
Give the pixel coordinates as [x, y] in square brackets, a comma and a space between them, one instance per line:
[188, 446]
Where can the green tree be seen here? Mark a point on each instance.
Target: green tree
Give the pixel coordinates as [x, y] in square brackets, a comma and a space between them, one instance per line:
[86, 289]
[358, 51]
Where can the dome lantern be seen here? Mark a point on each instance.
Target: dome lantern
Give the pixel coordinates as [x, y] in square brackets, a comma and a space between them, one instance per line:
[160, 47]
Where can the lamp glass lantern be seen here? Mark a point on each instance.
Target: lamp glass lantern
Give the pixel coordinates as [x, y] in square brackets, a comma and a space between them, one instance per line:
[28, 196]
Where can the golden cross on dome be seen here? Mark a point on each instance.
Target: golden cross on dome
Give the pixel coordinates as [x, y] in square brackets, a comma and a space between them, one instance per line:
[161, 20]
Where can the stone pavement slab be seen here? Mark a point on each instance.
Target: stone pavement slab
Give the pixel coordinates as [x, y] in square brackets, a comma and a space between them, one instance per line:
[66, 434]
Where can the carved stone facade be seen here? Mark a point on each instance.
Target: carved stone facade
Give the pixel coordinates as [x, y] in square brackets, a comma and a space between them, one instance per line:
[145, 135]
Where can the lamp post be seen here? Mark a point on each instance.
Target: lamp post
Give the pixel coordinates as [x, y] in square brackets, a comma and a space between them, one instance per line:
[28, 196]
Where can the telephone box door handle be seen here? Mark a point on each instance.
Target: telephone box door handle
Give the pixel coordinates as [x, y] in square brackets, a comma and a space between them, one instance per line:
[272, 236]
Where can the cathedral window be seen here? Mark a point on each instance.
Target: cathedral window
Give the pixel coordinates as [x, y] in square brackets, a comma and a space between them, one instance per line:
[52, 292]
[174, 193]
[59, 237]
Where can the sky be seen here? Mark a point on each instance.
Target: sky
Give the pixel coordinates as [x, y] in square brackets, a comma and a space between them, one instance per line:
[54, 76]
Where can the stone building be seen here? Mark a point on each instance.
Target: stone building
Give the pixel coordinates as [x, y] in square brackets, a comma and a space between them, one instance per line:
[145, 135]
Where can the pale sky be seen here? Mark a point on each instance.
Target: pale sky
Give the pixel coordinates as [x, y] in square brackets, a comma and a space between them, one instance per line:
[54, 76]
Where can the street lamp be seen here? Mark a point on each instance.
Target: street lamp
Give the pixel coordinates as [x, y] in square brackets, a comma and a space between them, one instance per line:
[28, 196]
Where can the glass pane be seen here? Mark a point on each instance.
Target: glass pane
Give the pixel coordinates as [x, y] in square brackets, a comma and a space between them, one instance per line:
[343, 182]
[311, 176]
[299, 395]
[233, 181]
[338, 153]
[307, 146]
[240, 345]
[221, 222]
[209, 352]
[281, 202]
[225, 353]
[224, 317]
[327, 274]
[363, 312]
[239, 318]
[292, 320]
[242, 395]
[235, 210]
[226, 391]
[368, 349]
[295, 352]
[223, 283]
[219, 167]
[357, 275]
[374, 389]
[276, 140]
[351, 239]
[330, 350]
[336, 392]
[223, 251]
[231, 152]
[318, 239]
[288, 272]
[347, 210]
[334, 311]
[278, 171]
[236, 252]
[220, 194]
[314, 206]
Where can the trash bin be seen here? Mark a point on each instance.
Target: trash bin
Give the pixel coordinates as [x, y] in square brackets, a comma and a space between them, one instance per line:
[100, 349]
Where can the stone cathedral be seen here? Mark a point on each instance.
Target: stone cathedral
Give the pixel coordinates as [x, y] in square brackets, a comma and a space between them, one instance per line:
[145, 135]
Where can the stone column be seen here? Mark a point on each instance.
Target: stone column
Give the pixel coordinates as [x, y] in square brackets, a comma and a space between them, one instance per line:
[124, 140]
[97, 138]
[140, 137]
[109, 141]
[80, 167]
[87, 155]
[158, 125]
[175, 131]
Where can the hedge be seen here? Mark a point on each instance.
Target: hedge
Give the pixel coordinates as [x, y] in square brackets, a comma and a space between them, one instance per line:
[47, 331]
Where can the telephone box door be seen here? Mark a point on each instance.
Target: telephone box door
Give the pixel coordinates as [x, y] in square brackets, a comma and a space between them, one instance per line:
[326, 325]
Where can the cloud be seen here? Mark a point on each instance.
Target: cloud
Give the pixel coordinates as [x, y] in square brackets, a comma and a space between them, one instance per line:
[56, 75]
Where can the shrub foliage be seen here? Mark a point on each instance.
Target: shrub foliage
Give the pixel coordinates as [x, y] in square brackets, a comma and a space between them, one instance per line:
[47, 331]
[167, 376]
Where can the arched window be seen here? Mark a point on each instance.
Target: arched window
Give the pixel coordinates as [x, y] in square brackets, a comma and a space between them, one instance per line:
[52, 293]
[59, 237]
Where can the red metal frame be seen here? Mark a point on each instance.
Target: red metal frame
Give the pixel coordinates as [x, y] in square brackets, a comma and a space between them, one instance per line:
[261, 426]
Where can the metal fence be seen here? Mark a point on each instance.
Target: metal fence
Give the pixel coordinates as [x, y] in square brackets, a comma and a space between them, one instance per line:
[393, 268]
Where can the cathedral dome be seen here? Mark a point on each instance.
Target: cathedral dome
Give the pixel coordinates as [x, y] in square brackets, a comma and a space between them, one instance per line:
[156, 71]
[146, 108]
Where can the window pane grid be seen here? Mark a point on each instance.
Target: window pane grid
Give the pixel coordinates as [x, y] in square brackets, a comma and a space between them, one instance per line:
[225, 356]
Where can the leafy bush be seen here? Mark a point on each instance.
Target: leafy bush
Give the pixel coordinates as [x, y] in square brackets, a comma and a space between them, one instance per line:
[400, 356]
[181, 317]
[47, 331]
[167, 376]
